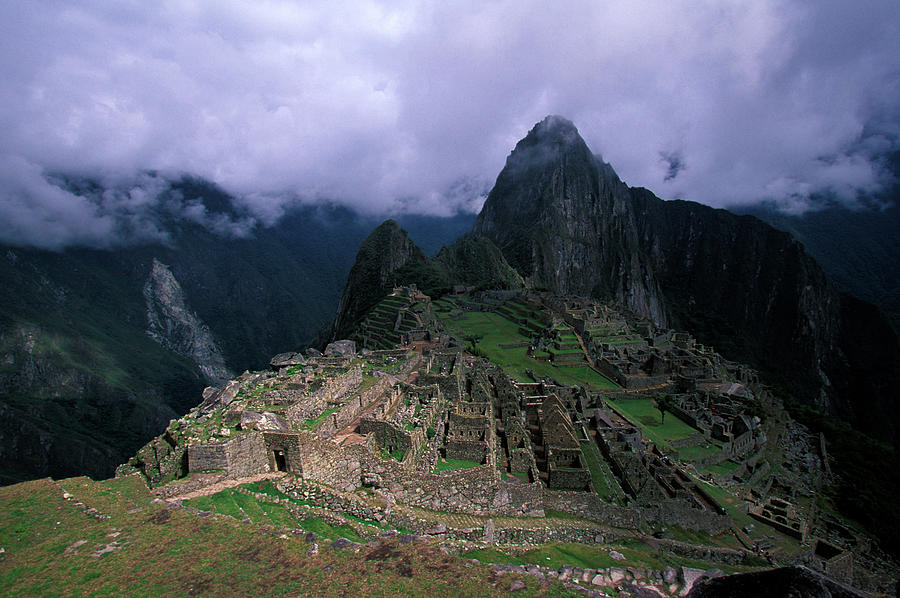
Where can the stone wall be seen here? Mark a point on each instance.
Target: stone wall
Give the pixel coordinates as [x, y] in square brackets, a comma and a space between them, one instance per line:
[341, 418]
[390, 437]
[207, 456]
[334, 390]
[477, 491]
[272, 396]
[240, 456]
[731, 556]
[590, 506]
[568, 477]
[327, 463]
[247, 455]
[289, 446]
[382, 386]
[521, 460]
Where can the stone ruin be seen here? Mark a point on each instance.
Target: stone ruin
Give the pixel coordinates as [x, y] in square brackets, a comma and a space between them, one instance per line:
[383, 419]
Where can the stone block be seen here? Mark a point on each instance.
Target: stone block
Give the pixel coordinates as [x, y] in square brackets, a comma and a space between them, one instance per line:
[341, 348]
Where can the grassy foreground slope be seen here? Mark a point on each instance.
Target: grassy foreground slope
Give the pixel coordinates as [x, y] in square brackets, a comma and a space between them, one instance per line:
[109, 539]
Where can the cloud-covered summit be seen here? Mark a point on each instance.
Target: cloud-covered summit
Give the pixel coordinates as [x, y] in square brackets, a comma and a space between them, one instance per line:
[407, 105]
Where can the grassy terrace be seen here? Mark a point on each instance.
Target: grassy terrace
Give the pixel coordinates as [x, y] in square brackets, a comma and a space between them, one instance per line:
[493, 330]
[644, 413]
[313, 423]
[242, 506]
[602, 478]
[636, 552]
[723, 468]
[452, 464]
[701, 451]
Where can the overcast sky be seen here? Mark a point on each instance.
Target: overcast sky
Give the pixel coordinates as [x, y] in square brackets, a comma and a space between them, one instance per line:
[415, 105]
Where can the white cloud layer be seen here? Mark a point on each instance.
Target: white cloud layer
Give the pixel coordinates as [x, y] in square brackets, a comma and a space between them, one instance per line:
[415, 105]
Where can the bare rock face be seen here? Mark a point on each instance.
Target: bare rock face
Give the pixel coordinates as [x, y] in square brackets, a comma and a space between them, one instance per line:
[561, 218]
[341, 348]
[219, 398]
[264, 422]
[173, 325]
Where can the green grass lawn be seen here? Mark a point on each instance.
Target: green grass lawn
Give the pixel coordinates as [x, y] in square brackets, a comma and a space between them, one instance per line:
[695, 453]
[637, 554]
[604, 483]
[331, 532]
[723, 468]
[644, 413]
[494, 329]
[450, 464]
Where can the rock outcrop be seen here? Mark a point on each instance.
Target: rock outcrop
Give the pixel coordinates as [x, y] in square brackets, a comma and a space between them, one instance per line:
[173, 325]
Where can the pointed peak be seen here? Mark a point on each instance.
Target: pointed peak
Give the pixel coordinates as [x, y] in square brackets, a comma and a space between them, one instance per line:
[554, 126]
[552, 132]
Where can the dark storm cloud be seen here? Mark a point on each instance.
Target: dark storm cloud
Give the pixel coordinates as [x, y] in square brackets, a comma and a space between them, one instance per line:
[415, 106]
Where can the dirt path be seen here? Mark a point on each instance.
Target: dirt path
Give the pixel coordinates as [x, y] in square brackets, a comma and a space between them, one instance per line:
[584, 349]
[225, 484]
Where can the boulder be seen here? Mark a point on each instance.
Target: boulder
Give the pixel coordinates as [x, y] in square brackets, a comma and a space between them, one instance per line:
[214, 398]
[345, 544]
[249, 419]
[371, 480]
[313, 352]
[616, 574]
[286, 360]
[264, 422]
[688, 575]
[618, 556]
[669, 575]
[272, 423]
[341, 348]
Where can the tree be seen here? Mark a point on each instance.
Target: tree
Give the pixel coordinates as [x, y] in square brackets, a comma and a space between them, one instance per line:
[664, 403]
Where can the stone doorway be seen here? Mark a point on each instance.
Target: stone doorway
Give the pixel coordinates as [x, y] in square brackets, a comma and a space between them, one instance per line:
[280, 461]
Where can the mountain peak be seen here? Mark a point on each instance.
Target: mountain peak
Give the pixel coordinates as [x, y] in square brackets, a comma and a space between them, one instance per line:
[384, 251]
[554, 130]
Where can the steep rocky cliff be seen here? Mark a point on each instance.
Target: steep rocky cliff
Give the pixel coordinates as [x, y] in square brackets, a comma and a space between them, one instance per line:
[566, 221]
[562, 218]
[177, 328]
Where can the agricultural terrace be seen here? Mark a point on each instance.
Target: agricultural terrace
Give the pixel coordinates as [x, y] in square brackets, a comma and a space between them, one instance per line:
[498, 338]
